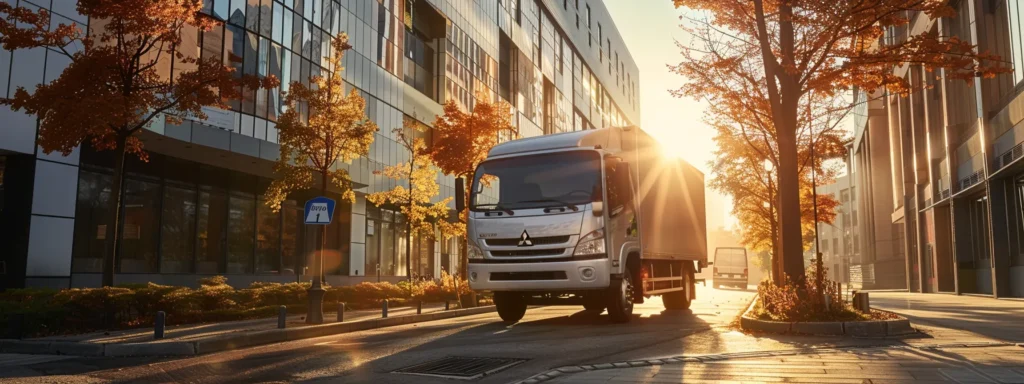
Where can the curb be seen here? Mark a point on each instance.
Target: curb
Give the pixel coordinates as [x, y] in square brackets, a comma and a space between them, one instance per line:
[222, 343]
[873, 328]
[573, 369]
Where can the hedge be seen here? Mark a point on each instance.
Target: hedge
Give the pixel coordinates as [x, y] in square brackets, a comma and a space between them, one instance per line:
[41, 312]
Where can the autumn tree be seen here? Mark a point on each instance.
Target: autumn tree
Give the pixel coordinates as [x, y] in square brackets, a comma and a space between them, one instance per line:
[814, 47]
[741, 171]
[462, 139]
[112, 87]
[322, 128]
[413, 198]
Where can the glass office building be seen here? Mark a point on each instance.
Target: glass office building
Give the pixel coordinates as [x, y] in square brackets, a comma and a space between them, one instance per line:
[196, 208]
[941, 174]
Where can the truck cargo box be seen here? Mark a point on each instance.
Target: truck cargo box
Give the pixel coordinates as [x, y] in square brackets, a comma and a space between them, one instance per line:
[673, 222]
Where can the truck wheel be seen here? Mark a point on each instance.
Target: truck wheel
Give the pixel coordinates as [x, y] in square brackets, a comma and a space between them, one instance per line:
[676, 300]
[679, 300]
[511, 306]
[620, 298]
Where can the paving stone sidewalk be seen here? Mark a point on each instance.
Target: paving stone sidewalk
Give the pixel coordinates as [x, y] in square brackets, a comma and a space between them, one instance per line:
[993, 363]
[187, 332]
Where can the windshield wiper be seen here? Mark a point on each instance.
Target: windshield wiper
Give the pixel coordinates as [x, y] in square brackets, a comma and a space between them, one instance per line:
[497, 207]
[560, 202]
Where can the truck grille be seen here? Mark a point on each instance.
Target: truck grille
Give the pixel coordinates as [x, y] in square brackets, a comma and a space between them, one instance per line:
[535, 240]
[529, 252]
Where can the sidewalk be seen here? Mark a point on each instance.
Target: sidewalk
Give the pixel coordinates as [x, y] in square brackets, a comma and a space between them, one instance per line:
[997, 319]
[198, 339]
[996, 364]
[186, 332]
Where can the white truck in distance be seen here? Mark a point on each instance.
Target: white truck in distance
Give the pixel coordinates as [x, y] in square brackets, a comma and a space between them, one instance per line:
[597, 218]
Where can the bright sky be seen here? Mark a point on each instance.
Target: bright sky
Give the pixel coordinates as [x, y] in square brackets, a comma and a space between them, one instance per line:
[651, 28]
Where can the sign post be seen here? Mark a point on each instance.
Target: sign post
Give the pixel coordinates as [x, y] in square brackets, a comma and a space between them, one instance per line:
[318, 211]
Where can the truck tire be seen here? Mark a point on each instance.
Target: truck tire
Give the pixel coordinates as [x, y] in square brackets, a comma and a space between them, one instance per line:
[511, 306]
[679, 300]
[620, 298]
[676, 300]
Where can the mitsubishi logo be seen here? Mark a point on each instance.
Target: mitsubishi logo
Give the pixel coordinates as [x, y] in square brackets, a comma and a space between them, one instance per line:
[524, 240]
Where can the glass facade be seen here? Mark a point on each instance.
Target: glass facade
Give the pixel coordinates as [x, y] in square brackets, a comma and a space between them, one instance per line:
[185, 218]
[192, 211]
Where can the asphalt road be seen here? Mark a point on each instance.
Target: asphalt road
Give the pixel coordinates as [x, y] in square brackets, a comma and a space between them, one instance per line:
[547, 337]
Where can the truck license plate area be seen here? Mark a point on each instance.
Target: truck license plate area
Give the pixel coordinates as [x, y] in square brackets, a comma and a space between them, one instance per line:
[528, 276]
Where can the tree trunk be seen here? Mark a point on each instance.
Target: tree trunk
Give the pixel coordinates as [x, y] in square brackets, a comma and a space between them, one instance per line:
[790, 239]
[776, 255]
[318, 262]
[112, 240]
[464, 265]
[408, 249]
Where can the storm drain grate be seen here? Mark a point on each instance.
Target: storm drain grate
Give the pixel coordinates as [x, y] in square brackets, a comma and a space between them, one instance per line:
[464, 368]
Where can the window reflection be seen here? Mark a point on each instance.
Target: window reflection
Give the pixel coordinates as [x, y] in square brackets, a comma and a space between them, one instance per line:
[178, 224]
[140, 227]
[241, 223]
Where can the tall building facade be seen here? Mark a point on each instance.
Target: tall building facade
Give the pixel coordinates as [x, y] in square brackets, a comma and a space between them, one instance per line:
[839, 242]
[196, 208]
[948, 160]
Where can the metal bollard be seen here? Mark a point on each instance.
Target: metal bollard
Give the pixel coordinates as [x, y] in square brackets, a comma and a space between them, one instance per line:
[419, 307]
[341, 312]
[384, 309]
[446, 305]
[158, 326]
[282, 317]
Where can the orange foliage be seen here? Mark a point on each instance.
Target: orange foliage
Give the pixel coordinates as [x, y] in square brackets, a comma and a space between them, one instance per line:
[773, 62]
[112, 87]
[462, 140]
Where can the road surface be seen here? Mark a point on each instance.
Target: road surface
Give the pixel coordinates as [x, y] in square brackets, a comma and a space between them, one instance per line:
[548, 337]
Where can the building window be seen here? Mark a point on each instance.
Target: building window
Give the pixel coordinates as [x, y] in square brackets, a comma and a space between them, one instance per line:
[178, 229]
[1015, 10]
[588, 16]
[241, 226]
[140, 227]
[978, 212]
[268, 239]
[291, 237]
[211, 231]
[90, 221]
[1017, 215]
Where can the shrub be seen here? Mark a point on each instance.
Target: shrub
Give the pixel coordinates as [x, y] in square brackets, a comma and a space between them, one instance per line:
[47, 311]
[813, 299]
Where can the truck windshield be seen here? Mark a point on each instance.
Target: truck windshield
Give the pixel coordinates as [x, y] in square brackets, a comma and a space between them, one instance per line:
[537, 181]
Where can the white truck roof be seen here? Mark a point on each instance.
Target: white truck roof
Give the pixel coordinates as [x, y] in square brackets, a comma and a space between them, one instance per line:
[607, 138]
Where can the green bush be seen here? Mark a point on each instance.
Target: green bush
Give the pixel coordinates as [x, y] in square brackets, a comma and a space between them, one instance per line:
[48, 312]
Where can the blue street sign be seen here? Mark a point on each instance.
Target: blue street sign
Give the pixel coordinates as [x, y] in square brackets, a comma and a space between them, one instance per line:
[319, 211]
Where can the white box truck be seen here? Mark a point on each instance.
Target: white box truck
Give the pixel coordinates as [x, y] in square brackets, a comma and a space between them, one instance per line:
[597, 218]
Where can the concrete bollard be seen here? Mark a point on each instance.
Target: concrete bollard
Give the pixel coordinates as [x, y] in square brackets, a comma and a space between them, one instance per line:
[384, 309]
[341, 312]
[861, 302]
[158, 326]
[282, 317]
[419, 307]
[446, 305]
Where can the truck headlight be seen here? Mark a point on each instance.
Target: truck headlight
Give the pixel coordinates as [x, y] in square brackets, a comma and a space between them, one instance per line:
[474, 252]
[591, 244]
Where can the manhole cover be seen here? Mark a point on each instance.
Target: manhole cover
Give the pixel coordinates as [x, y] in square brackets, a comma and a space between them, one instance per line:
[464, 368]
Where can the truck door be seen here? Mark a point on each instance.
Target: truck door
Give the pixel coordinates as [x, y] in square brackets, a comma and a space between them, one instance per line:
[622, 226]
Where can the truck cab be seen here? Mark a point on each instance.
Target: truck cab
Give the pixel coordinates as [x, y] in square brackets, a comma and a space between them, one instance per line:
[556, 220]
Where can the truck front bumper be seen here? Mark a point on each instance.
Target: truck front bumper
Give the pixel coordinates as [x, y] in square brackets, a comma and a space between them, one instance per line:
[540, 276]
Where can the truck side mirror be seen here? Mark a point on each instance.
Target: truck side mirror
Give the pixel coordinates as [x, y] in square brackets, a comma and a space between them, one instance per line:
[597, 208]
[460, 194]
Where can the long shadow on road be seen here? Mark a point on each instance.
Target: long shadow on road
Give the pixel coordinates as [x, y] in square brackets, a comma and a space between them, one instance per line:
[545, 343]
